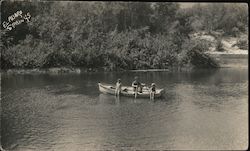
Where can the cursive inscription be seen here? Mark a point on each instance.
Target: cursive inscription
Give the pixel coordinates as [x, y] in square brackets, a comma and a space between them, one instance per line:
[16, 19]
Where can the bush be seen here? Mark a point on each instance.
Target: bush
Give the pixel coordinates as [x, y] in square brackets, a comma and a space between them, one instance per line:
[133, 49]
[242, 44]
[235, 31]
[29, 53]
[194, 53]
[219, 45]
[140, 50]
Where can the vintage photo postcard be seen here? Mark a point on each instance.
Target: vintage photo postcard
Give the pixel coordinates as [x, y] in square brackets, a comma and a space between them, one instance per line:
[100, 75]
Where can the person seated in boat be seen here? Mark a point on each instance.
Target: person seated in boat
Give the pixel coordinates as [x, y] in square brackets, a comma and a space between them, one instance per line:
[118, 87]
[137, 85]
[152, 91]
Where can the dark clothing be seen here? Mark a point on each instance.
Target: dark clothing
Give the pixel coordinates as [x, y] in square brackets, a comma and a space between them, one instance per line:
[153, 89]
[137, 85]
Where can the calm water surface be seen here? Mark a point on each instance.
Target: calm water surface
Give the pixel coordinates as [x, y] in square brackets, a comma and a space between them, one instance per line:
[202, 109]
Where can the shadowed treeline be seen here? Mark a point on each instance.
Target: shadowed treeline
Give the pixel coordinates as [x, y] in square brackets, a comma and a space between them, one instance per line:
[114, 35]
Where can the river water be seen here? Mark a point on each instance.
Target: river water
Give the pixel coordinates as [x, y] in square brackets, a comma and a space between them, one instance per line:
[201, 109]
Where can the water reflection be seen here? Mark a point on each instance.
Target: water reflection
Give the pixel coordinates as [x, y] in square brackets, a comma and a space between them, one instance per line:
[202, 109]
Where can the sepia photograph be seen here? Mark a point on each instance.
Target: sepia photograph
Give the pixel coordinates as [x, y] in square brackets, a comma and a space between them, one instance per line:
[117, 75]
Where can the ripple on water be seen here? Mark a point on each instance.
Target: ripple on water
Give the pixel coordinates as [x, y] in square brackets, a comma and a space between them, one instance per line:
[210, 112]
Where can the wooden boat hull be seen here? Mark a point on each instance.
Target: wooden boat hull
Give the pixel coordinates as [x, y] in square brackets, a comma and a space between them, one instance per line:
[128, 91]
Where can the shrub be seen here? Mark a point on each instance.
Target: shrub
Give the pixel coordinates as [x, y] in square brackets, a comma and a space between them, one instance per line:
[132, 49]
[219, 45]
[29, 53]
[194, 53]
[242, 44]
[235, 31]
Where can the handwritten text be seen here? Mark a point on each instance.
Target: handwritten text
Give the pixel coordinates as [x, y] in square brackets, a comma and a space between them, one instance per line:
[16, 19]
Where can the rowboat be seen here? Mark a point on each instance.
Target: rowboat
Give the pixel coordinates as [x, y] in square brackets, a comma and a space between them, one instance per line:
[129, 91]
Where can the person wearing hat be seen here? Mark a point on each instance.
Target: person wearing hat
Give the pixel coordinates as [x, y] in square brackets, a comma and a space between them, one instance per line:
[118, 87]
[152, 91]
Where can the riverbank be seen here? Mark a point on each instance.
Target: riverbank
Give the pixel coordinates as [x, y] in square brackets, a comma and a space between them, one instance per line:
[225, 60]
[58, 70]
[233, 49]
[229, 60]
[67, 70]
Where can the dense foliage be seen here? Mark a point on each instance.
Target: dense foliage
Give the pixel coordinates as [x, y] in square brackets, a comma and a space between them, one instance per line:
[228, 18]
[113, 35]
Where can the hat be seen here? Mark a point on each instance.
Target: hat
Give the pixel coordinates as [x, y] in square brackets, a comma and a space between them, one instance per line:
[153, 84]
